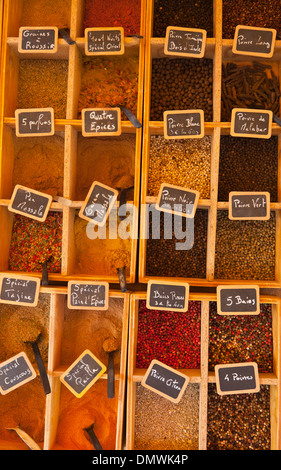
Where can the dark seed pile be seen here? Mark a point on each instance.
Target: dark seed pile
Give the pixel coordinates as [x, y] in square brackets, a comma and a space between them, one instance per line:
[253, 86]
[248, 165]
[259, 13]
[162, 257]
[185, 13]
[241, 338]
[178, 84]
[238, 422]
[245, 249]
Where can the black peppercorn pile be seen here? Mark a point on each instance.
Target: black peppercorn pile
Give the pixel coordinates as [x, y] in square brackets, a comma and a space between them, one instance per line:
[162, 258]
[253, 86]
[178, 84]
[238, 422]
[248, 165]
[259, 13]
[185, 13]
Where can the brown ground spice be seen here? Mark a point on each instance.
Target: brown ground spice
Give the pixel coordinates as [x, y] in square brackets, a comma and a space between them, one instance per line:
[43, 13]
[39, 163]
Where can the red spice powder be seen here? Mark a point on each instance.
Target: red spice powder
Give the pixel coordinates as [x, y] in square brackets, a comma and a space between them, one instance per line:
[33, 242]
[170, 337]
[110, 13]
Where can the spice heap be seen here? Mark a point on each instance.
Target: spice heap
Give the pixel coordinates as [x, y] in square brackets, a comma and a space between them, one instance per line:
[78, 413]
[241, 338]
[19, 324]
[109, 160]
[163, 425]
[39, 163]
[43, 84]
[33, 242]
[239, 422]
[261, 14]
[43, 13]
[185, 163]
[248, 165]
[185, 13]
[245, 249]
[101, 255]
[170, 337]
[165, 258]
[178, 84]
[109, 82]
[23, 407]
[97, 326]
[254, 86]
[111, 13]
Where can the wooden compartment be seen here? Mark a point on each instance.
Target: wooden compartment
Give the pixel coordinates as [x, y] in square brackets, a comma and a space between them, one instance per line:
[214, 201]
[67, 344]
[68, 125]
[194, 352]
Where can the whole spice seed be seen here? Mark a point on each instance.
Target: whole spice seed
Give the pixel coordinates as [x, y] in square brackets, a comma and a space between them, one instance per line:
[43, 84]
[245, 249]
[185, 13]
[181, 162]
[163, 425]
[178, 84]
[77, 414]
[39, 163]
[170, 337]
[239, 422]
[111, 13]
[33, 242]
[253, 86]
[241, 338]
[109, 160]
[162, 257]
[262, 13]
[109, 82]
[43, 13]
[248, 165]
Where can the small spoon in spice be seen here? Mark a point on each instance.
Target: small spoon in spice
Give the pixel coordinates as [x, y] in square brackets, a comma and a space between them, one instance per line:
[110, 346]
[92, 436]
[40, 364]
[25, 438]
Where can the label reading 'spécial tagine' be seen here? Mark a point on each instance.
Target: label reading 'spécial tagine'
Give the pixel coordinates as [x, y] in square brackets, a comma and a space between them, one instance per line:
[19, 290]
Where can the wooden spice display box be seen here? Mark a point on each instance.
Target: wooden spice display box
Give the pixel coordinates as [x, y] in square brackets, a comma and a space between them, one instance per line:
[144, 343]
[59, 417]
[216, 265]
[68, 130]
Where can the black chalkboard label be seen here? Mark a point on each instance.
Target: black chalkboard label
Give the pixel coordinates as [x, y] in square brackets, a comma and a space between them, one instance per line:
[251, 123]
[253, 41]
[88, 295]
[237, 378]
[101, 122]
[34, 122]
[98, 203]
[249, 205]
[19, 290]
[185, 42]
[184, 124]
[104, 41]
[38, 39]
[166, 295]
[83, 373]
[15, 372]
[165, 381]
[177, 200]
[238, 300]
[30, 203]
